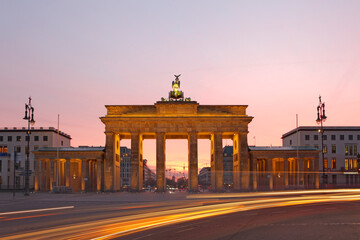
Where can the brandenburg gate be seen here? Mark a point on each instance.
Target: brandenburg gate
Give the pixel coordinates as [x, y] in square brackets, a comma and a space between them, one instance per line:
[176, 118]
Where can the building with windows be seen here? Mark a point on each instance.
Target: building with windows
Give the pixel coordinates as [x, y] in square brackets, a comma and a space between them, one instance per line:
[149, 175]
[205, 177]
[125, 158]
[340, 147]
[13, 148]
[228, 166]
[125, 169]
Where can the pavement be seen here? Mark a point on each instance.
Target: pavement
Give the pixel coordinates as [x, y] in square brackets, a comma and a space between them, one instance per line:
[41, 199]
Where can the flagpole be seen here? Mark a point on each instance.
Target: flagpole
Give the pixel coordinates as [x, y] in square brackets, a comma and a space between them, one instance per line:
[57, 153]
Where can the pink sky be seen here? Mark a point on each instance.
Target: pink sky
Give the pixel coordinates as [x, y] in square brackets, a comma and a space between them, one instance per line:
[275, 56]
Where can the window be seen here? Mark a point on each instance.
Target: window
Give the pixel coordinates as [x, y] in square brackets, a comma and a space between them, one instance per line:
[358, 137]
[290, 142]
[325, 148]
[333, 148]
[45, 138]
[355, 164]
[333, 163]
[9, 138]
[18, 138]
[27, 138]
[18, 149]
[325, 137]
[316, 137]
[350, 137]
[346, 164]
[333, 137]
[316, 146]
[355, 150]
[350, 164]
[5, 149]
[0, 165]
[342, 137]
[307, 137]
[325, 163]
[2, 138]
[62, 143]
[346, 150]
[350, 150]
[36, 138]
[1, 149]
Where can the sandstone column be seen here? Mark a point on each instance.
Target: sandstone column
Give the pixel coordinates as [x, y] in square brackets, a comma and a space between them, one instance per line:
[244, 161]
[193, 162]
[216, 162]
[254, 173]
[98, 175]
[52, 177]
[160, 162]
[316, 173]
[286, 172]
[48, 170]
[43, 176]
[68, 173]
[37, 174]
[136, 162]
[236, 162]
[112, 162]
[270, 174]
[301, 171]
[83, 175]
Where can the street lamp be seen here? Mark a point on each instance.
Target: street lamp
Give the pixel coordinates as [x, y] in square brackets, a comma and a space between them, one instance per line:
[29, 116]
[321, 117]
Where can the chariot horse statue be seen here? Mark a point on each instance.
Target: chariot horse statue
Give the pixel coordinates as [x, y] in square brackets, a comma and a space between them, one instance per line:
[176, 94]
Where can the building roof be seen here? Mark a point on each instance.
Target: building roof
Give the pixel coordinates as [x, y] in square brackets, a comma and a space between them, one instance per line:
[33, 129]
[300, 148]
[71, 149]
[325, 128]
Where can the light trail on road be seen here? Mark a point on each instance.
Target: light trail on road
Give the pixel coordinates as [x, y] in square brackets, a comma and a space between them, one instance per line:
[119, 226]
[36, 210]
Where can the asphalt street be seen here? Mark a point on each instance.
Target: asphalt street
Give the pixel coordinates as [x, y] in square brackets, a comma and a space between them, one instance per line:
[330, 214]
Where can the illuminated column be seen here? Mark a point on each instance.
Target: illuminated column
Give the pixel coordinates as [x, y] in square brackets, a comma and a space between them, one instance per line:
[112, 162]
[52, 166]
[193, 162]
[84, 174]
[236, 162]
[316, 170]
[301, 171]
[43, 176]
[270, 174]
[244, 162]
[98, 175]
[62, 173]
[160, 162]
[68, 173]
[254, 173]
[136, 162]
[216, 162]
[48, 172]
[37, 174]
[286, 172]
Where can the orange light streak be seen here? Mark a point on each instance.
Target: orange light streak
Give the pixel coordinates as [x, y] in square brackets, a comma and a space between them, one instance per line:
[136, 207]
[34, 216]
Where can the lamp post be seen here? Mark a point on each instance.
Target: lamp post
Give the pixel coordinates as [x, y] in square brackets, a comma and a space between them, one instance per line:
[321, 117]
[29, 116]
